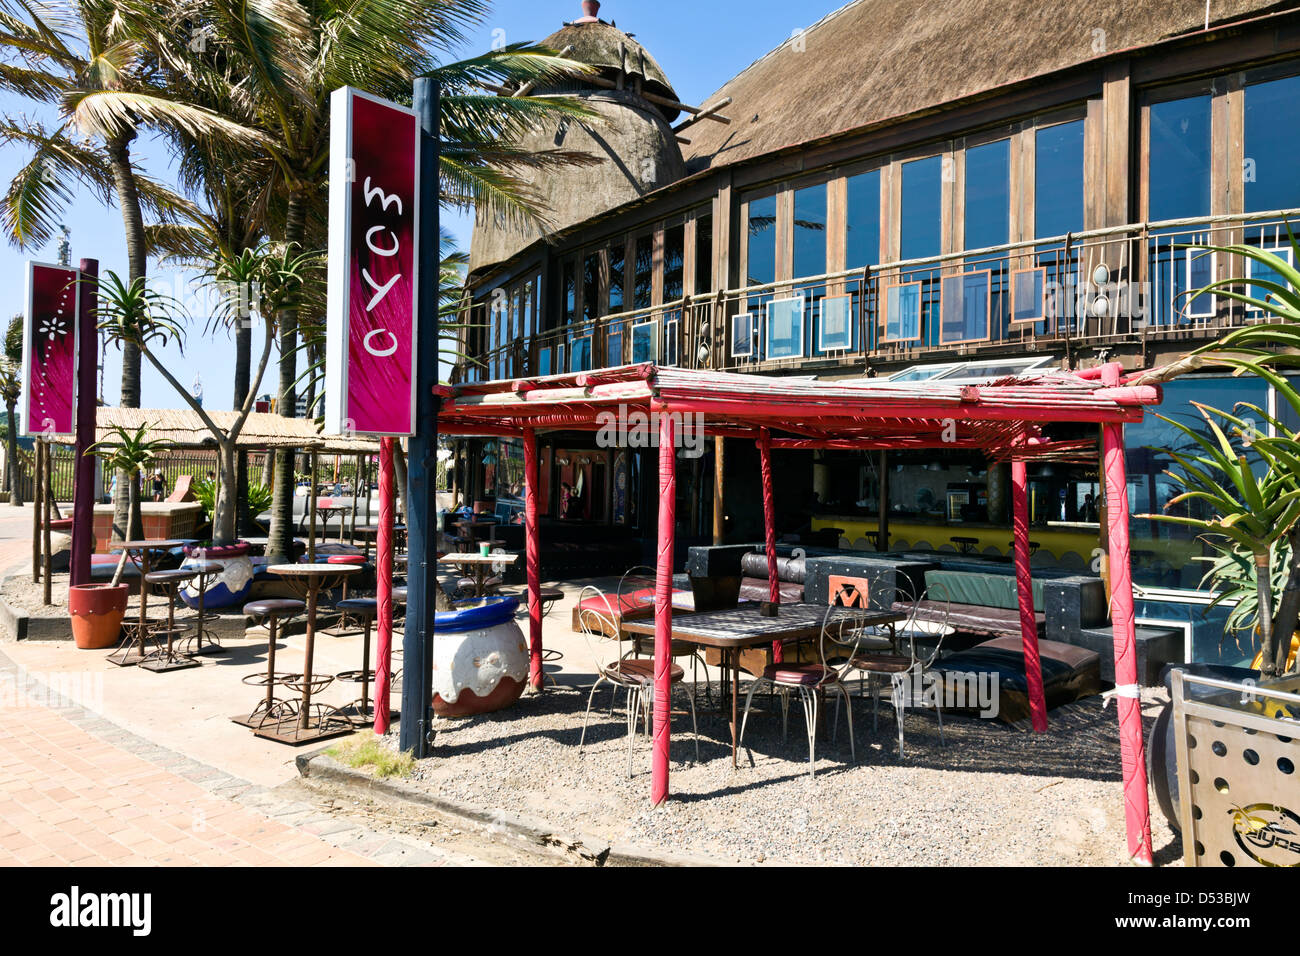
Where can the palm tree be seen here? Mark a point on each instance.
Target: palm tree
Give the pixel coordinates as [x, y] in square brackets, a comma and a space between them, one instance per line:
[11, 389]
[54, 51]
[275, 63]
[131, 312]
[129, 453]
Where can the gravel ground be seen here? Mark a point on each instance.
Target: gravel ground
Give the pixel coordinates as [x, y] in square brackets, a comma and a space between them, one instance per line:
[993, 795]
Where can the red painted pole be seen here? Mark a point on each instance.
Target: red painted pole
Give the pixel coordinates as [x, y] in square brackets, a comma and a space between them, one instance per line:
[769, 528]
[532, 558]
[664, 606]
[1137, 810]
[384, 587]
[83, 502]
[1025, 592]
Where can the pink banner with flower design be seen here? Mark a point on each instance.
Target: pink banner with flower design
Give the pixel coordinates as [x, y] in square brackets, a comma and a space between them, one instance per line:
[371, 330]
[50, 352]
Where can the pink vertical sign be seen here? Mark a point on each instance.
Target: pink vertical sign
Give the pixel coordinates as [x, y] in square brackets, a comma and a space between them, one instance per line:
[50, 352]
[371, 333]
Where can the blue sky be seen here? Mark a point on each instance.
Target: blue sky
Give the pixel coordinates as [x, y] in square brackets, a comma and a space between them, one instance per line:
[699, 45]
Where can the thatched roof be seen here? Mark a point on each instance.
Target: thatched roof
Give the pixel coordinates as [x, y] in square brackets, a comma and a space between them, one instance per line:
[184, 429]
[876, 60]
[613, 51]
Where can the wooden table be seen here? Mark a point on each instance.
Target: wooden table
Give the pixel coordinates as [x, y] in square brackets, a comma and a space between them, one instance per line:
[371, 533]
[126, 655]
[309, 579]
[480, 564]
[735, 629]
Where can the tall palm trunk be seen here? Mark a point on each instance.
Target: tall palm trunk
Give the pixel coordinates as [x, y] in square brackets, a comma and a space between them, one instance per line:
[280, 537]
[134, 522]
[128, 200]
[243, 377]
[223, 507]
[13, 473]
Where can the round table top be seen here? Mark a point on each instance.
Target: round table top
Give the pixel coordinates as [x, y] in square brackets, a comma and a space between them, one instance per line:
[204, 567]
[311, 570]
[152, 544]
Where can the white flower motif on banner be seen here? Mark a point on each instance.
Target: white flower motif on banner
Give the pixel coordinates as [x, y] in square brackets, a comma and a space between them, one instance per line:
[52, 326]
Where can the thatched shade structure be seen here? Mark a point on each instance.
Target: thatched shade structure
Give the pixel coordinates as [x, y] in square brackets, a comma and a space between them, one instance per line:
[631, 143]
[184, 429]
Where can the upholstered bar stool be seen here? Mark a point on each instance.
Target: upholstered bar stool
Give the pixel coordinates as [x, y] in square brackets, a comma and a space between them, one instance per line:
[167, 658]
[271, 708]
[348, 623]
[202, 641]
[364, 610]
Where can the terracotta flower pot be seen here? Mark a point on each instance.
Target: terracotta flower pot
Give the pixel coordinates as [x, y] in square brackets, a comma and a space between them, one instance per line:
[96, 611]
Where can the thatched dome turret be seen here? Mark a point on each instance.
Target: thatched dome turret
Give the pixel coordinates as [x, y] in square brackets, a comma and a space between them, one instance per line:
[631, 137]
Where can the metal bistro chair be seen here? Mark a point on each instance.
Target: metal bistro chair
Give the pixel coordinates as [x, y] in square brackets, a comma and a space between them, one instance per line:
[678, 648]
[907, 673]
[839, 640]
[633, 674]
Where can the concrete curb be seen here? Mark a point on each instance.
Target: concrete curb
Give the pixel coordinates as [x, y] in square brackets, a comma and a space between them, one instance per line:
[530, 834]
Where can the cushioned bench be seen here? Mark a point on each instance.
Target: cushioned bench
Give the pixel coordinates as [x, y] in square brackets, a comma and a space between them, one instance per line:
[790, 573]
[1069, 673]
[633, 604]
[976, 603]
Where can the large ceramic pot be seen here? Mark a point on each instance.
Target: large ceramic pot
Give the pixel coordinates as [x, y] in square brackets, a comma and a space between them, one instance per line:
[96, 611]
[228, 588]
[480, 658]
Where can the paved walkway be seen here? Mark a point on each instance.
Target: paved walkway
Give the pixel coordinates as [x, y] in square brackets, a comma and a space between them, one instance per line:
[77, 789]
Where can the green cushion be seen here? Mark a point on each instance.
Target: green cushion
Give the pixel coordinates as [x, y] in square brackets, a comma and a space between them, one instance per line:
[984, 590]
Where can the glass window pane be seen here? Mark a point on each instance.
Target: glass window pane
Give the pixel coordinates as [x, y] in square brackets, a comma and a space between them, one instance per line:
[862, 244]
[704, 254]
[903, 312]
[570, 292]
[1058, 179]
[1272, 143]
[988, 195]
[674, 262]
[810, 231]
[1179, 162]
[762, 241]
[1163, 552]
[836, 329]
[617, 272]
[922, 199]
[643, 272]
[591, 307]
[964, 313]
[644, 347]
[785, 328]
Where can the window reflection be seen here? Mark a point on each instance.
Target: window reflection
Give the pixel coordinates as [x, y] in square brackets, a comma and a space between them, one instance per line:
[643, 272]
[1178, 165]
[810, 231]
[1272, 140]
[1058, 179]
[862, 244]
[762, 241]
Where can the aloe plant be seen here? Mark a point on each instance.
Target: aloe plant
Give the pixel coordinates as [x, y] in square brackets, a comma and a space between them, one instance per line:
[1253, 513]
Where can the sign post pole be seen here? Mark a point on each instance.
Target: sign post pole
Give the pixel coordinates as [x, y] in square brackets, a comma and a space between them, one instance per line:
[83, 487]
[422, 465]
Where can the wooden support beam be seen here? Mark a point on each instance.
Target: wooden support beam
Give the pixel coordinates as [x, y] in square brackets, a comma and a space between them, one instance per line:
[532, 84]
[710, 112]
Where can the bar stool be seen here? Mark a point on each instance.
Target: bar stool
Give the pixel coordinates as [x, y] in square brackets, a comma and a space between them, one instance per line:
[271, 708]
[365, 610]
[166, 658]
[342, 628]
[194, 642]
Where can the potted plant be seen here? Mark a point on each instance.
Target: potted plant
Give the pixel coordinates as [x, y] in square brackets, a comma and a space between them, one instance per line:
[97, 611]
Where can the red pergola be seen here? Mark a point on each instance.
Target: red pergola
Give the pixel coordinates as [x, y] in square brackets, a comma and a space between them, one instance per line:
[1002, 419]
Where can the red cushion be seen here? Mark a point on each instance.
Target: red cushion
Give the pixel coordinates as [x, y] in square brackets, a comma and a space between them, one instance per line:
[614, 604]
[799, 674]
[643, 668]
[346, 559]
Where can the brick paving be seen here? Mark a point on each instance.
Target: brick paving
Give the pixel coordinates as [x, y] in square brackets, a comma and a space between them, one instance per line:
[77, 789]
